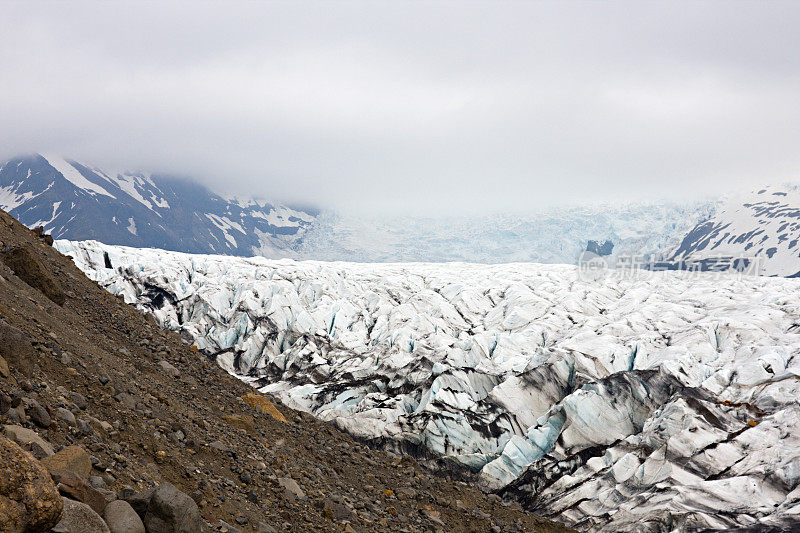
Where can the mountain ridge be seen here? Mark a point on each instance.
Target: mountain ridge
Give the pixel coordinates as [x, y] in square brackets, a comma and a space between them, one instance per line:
[78, 202]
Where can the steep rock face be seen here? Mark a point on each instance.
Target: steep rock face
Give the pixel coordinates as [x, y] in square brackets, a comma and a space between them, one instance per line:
[668, 401]
[76, 201]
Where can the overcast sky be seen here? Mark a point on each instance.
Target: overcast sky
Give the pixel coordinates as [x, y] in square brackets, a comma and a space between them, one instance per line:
[412, 107]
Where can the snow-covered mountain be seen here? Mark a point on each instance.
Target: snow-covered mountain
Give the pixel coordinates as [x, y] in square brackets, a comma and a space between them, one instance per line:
[663, 402]
[76, 201]
[763, 225]
[81, 202]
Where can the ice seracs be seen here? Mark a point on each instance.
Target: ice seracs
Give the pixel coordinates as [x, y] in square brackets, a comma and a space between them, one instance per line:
[663, 402]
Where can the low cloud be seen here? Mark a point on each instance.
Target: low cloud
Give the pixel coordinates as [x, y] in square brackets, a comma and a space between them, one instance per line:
[411, 107]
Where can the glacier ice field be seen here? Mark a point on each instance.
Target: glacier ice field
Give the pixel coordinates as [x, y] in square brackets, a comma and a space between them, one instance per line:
[661, 402]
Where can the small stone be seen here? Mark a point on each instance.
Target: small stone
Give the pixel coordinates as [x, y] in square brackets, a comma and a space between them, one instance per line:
[79, 400]
[227, 528]
[219, 446]
[5, 403]
[38, 414]
[4, 371]
[65, 415]
[336, 511]
[168, 369]
[291, 488]
[266, 528]
[406, 493]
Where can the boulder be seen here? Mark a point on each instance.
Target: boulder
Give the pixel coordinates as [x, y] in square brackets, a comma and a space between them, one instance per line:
[139, 501]
[27, 438]
[79, 518]
[241, 422]
[29, 268]
[172, 511]
[77, 488]
[73, 458]
[121, 518]
[29, 500]
[16, 349]
[262, 404]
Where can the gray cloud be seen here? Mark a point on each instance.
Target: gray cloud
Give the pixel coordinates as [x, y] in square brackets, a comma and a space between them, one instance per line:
[413, 107]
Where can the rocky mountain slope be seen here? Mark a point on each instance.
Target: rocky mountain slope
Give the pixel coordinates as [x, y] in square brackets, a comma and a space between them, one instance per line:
[127, 422]
[662, 402]
[77, 201]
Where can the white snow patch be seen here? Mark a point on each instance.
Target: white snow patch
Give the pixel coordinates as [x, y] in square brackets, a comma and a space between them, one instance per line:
[9, 199]
[72, 175]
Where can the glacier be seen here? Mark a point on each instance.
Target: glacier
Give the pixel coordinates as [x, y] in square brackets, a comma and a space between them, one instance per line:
[553, 235]
[662, 401]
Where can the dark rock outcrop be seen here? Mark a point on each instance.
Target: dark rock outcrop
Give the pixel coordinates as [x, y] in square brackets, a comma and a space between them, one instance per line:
[29, 268]
[16, 349]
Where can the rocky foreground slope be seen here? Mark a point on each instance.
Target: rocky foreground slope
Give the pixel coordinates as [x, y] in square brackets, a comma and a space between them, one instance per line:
[658, 402]
[104, 414]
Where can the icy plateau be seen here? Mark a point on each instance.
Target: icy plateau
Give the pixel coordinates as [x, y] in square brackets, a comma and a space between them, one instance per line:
[663, 402]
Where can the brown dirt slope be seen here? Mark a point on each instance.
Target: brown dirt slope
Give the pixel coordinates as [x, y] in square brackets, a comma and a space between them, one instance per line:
[150, 409]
